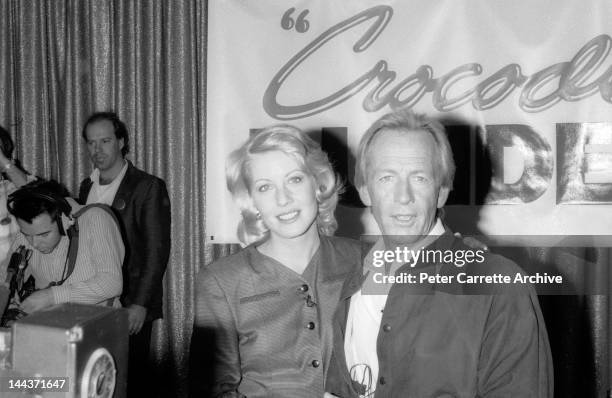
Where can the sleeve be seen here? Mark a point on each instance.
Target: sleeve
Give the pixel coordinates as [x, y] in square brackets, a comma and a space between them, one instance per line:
[100, 254]
[154, 220]
[215, 357]
[515, 358]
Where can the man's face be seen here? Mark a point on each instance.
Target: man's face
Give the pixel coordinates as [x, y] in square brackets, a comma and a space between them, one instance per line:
[401, 185]
[103, 147]
[42, 233]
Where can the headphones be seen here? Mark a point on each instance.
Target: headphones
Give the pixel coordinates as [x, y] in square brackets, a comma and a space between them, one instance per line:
[62, 218]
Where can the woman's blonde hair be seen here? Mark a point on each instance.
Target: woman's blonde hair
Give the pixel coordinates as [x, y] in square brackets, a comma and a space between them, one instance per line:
[293, 142]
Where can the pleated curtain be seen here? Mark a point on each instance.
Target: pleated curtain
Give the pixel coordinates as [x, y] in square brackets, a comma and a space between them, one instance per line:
[61, 60]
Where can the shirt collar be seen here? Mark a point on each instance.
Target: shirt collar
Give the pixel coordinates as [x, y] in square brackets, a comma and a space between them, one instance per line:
[95, 174]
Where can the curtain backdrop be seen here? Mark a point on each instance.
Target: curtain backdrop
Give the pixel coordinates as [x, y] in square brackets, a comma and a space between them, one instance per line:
[61, 60]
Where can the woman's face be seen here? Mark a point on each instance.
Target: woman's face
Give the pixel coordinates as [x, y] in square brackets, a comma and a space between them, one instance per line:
[283, 193]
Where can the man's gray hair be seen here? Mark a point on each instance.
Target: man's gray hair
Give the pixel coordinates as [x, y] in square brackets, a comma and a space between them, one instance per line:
[406, 120]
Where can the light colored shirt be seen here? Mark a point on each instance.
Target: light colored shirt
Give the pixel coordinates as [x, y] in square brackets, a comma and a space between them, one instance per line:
[97, 273]
[104, 193]
[363, 323]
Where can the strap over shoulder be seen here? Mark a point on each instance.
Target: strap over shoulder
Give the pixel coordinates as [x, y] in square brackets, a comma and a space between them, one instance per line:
[73, 235]
[73, 231]
[102, 206]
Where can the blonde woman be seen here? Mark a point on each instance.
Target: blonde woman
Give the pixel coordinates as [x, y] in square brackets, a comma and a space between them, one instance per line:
[264, 314]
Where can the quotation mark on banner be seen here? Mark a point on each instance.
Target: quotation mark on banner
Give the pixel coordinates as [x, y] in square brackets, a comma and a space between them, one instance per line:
[301, 24]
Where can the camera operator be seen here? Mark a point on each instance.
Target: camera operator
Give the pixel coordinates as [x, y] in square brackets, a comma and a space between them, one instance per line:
[76, 252]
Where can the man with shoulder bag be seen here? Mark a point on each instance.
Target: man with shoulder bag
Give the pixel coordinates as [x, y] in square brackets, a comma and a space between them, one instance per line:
[63, 253]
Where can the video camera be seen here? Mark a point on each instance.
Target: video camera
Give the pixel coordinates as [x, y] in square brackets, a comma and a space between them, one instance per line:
[18, 289]
[82, 349]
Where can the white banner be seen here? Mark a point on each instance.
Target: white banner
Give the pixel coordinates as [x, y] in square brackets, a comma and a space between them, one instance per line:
[530, 80]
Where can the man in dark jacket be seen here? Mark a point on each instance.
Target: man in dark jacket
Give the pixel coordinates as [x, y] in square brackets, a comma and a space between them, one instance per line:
[141, 203]
[435, 336]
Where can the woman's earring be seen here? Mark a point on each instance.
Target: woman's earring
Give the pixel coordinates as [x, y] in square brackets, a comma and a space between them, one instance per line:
[258, 216]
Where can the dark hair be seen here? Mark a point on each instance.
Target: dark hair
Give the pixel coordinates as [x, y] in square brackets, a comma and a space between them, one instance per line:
[6, 143]
[120, 129]
[38, 197]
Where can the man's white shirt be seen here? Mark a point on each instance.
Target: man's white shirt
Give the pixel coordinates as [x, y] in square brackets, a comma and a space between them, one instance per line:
[105, 193]
[363, 323]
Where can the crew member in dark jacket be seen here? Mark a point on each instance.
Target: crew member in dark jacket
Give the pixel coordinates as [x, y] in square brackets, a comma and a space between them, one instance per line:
[141, 203]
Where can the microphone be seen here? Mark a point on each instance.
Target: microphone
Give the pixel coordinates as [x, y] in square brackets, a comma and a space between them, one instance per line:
[13, 266]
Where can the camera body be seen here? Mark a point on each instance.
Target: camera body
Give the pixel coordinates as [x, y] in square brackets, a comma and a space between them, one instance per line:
[86, 344]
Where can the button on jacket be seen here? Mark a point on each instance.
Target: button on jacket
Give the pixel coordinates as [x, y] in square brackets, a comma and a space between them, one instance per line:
[264, 330]
[452, 340]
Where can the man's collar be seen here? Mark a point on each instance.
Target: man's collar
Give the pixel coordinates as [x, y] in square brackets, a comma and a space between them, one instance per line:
[438, 228]
[95, 174]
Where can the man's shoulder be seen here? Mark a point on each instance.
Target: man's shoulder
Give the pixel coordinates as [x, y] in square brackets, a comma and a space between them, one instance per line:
[483, 261]
[135, 179]
[496, 264]
[483, 264]
[140, 176]
[92, 215]
[141, 185]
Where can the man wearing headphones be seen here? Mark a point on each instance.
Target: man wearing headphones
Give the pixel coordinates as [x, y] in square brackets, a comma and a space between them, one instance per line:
[76, 255]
